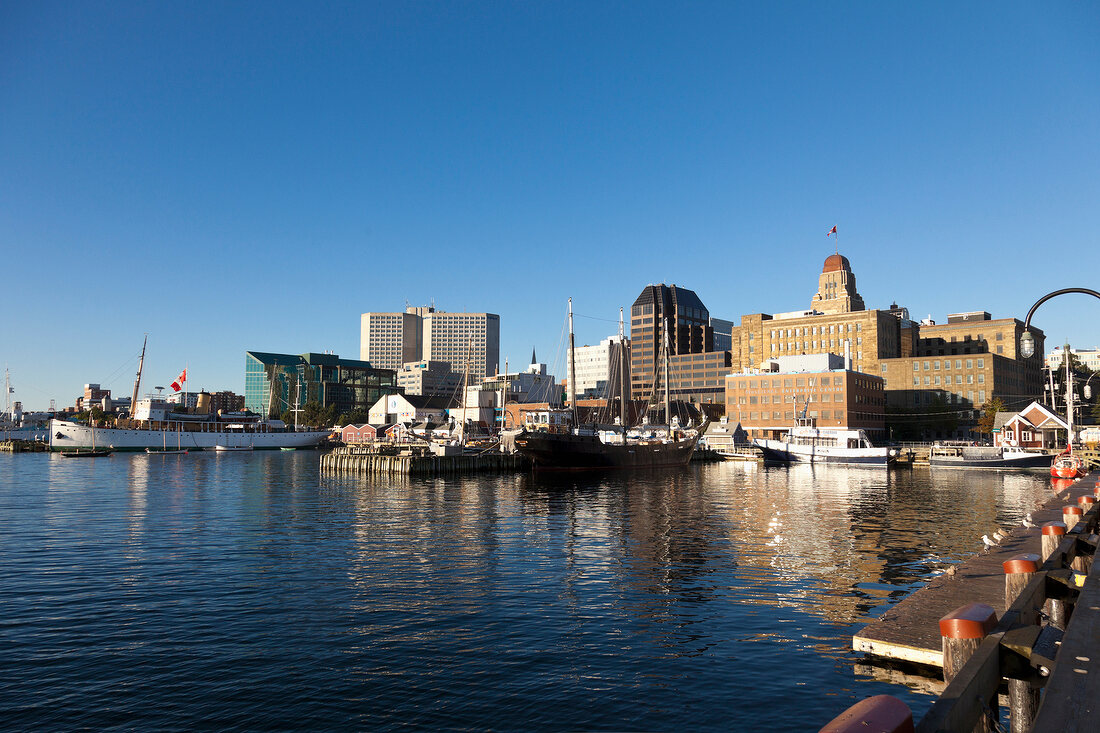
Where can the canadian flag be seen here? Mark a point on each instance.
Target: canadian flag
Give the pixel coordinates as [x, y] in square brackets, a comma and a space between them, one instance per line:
[831, 231]
[178, 384]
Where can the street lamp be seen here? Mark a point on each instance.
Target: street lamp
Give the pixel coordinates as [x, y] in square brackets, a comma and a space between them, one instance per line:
[1027, 341]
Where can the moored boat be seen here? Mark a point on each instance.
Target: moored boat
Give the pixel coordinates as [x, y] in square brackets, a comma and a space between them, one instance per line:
[946, 455]
[807, 443]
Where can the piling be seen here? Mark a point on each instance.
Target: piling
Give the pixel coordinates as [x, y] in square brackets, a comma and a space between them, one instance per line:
[962, 632]
[1023, 696]
[1071, 515]
[1052, 537]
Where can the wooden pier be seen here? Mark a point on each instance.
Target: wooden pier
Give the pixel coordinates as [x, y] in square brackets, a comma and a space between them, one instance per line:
[23, 446]
[1019, 625]
[417, 462]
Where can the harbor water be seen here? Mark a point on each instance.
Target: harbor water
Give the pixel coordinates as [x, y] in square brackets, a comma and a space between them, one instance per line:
[249, 591]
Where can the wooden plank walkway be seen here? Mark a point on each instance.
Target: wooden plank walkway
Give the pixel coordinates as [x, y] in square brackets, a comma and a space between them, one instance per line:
[1072, 695]
[910, 630]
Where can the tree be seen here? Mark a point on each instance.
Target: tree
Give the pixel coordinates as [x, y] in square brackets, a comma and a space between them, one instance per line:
[989, 415]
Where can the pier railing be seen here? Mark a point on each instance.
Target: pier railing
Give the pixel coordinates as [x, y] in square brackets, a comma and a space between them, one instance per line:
[1045, 649]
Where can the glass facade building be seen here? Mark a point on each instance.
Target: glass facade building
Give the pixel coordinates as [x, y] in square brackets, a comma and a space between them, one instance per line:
[272, 382]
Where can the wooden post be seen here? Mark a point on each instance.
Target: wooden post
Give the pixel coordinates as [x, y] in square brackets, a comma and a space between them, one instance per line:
[1023, 699]
[962, 632]
[1052, 537]
[1071, 515]
[878, 714]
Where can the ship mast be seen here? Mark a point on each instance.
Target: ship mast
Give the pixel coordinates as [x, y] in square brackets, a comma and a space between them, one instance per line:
[622, 373]
[572, 367]
[137, 382]
[668, 401]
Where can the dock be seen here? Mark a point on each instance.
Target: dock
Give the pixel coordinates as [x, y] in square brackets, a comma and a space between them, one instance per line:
[15, 445]
[1016, 633]
[909, 632]
[417, 461]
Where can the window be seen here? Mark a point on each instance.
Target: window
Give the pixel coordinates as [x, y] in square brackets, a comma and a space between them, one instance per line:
[916, 366]
[1000, 349]
[981, 363]
[926, 367]
[916, 381]
[970, 379]
[937, 382]
[958, 364]
[936, 365]
[981, 379]
[969, 363]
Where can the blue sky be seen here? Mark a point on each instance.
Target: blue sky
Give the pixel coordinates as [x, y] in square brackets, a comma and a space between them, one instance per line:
[231, 176]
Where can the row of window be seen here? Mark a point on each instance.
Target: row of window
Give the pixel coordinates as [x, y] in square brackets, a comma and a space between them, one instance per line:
[789, 415]
[935, 364]
[813, 330]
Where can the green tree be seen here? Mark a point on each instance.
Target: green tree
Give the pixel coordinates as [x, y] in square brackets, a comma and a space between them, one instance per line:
[989, 415]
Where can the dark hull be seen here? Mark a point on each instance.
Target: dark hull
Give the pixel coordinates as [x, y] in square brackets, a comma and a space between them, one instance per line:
[567, 452]
[1037, 461]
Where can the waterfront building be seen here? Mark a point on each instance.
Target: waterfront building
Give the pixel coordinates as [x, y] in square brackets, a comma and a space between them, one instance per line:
[429, 378]
[955, 368]
[837, 319]
[1035, 426]
[190, 400]
[597, 368]
[533, 385]
[409, 409]
[1089, 358]
[468, 342]
[275, 383]
[766, 401]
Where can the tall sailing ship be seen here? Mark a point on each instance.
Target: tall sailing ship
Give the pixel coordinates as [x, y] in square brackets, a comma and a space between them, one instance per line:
[560, 444]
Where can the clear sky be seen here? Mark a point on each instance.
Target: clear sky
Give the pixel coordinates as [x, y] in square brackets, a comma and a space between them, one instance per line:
[236, 176]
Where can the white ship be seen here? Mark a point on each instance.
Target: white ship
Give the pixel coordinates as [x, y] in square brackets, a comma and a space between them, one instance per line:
[184, 431]
[807, 443]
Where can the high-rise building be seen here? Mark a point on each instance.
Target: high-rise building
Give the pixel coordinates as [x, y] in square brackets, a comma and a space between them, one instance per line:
[689, 332]
[597, 368]
[275, 383]
[388, 340]
[467, 342]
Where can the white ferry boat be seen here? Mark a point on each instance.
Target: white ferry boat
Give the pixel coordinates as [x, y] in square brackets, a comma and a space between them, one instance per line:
[155, 426]
[807, 443]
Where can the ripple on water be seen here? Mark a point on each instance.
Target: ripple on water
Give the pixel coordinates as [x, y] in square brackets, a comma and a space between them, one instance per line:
[247, 592]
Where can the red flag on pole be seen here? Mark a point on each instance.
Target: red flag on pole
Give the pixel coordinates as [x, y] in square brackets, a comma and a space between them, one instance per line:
[178, 384]
[831, 231]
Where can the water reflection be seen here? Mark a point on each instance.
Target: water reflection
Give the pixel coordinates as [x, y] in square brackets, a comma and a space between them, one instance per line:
[495, 601]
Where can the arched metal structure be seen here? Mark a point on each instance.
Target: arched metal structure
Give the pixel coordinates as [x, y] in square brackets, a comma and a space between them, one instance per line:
[1027, 341]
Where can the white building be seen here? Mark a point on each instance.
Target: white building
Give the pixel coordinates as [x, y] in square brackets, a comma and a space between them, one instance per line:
[462, 340]
[597, 369]
[1089, 357]
[408, 409]
[431, 378]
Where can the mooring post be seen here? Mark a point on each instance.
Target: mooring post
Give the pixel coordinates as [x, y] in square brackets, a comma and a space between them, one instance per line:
[1023, 698]
[962, 632]
[1071, 515]
[1052, 537]
[878, 714]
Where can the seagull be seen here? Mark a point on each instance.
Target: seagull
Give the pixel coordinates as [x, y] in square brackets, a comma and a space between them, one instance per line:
[988, 542]
[1027, 521]
[997, 536]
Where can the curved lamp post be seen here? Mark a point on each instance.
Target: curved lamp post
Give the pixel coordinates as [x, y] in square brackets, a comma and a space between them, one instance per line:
[1027, 341]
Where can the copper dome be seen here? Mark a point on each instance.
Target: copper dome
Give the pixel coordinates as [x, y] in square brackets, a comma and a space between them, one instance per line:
[836, 262]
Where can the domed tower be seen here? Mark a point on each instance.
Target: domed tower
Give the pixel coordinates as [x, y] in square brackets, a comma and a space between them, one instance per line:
[836, 290]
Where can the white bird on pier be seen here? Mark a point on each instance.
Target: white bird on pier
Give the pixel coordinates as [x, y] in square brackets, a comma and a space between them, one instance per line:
[1027, 521]
[997, 536]
[988, 542]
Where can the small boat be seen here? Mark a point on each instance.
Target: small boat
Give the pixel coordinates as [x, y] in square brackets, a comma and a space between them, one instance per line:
[1067, 465]
[288, 449]
[946, 455]
[223, 448]
[807, 443]
[166, 451]
[87, 453]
